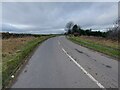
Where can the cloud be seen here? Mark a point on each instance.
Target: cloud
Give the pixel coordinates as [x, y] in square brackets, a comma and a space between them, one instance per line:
[60, 1]
[49, 17]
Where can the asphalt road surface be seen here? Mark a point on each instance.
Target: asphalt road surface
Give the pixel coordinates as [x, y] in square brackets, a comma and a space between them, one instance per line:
[59, 63]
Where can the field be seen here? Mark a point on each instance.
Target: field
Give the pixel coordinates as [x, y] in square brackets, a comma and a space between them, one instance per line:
[12, 46]
[14, 52]
[103, 45]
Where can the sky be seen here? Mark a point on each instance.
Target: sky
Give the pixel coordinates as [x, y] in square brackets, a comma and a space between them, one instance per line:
[51, 17]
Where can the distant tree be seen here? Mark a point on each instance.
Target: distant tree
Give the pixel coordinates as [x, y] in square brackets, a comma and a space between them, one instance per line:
[88, 32]
[68, 27]
[79, 29]
[114, 32]
[69, 31]
[82, 32]
[76, 30]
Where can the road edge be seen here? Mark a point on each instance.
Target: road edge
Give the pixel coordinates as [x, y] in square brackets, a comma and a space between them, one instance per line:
[23, 64]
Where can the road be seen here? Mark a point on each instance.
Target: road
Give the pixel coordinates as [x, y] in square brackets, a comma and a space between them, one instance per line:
[59, 63]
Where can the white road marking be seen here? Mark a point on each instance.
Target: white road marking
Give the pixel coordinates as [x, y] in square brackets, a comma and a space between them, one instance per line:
[59, 42]
[89, 75]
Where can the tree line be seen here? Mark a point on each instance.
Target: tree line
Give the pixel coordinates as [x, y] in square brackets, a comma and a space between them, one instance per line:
[76, 30]
[6, 35]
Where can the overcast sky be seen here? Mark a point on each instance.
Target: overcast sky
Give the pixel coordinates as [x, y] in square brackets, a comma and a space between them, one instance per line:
[50, 17]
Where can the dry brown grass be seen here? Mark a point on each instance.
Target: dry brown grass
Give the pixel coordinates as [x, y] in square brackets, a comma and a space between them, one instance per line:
[12, 45]
[102, 41]
[15, 50]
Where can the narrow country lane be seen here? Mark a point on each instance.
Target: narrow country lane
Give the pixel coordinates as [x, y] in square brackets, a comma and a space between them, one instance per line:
[59, 63]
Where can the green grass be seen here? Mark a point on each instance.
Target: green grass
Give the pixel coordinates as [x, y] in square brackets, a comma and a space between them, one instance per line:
[11, 66]
[95, 46]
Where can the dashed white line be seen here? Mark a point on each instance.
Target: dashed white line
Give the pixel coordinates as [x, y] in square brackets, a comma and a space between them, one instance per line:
[89, 75]
[59, 42]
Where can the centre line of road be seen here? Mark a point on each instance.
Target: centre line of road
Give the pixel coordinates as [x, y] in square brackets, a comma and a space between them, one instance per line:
[59, 42]
[89, 75]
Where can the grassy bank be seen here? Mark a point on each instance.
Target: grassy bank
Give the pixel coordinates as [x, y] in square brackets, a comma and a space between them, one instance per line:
[14, 59]
[99, 44]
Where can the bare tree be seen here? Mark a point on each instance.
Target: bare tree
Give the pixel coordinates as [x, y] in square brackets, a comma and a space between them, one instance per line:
[114, 32]
[68, 27]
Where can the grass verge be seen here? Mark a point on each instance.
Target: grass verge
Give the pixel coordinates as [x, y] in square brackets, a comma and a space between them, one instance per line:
[12, 65]
[95, 46]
